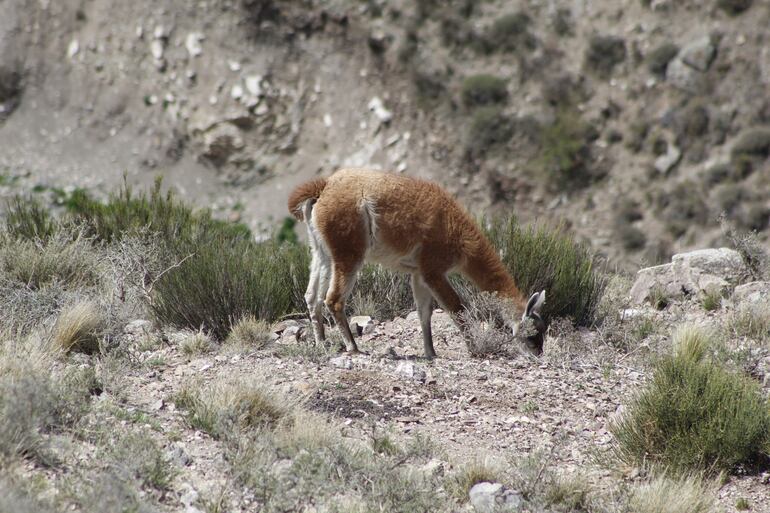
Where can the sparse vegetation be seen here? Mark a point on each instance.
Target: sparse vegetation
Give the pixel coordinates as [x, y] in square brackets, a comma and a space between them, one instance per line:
[249, 332]
[751, 321]
[480, 90]
[489, 129]
[658, 59]
[510, 33]
[664, 493]
[472, 473]
[542, 258]
[734, 7]
[26, 218]
[565, 154]
[381, 293]
[604, 53]
[694, 415]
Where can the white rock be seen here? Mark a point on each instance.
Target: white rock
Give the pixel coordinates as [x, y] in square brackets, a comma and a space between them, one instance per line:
[375, 105]
[494, 497]
[411, 371]
[138, 327]
[341, 362]
[234, 65]
[73, 48]
[683, 76]
[254, 85]
[236, 93]
[193, 44]
[156, 49]
[327, 120]
[665, 163]
[160, 32]
[363, 324]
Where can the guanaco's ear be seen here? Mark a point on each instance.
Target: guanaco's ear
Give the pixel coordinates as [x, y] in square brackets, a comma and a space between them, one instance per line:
[534, 304]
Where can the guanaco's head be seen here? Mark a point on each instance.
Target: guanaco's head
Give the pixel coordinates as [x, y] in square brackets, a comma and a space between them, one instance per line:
[531, 329]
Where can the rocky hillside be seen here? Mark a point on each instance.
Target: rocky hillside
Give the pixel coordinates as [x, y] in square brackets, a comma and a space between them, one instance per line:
[637, 121]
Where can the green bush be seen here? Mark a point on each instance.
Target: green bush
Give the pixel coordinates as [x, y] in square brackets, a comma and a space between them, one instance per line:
[26, 218]
[225, 280]
[479, 90]
[754, 142]
[695, 416]
[541, 258]
[382, 293]
[565, 153]
[510, 33]
[489, 128]
[631, 237]
[658, 59]
[126, 214]
[734, 7]
[604, 53]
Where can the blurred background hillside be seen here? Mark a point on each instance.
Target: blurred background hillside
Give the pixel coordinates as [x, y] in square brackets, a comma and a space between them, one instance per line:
[636, 122]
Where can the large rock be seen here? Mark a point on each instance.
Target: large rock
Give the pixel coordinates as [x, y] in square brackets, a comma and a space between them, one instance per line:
[494, 497]
[752, 292]
[691, 274]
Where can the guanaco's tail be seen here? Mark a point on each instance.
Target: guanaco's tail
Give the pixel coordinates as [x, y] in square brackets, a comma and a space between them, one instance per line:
[307, 191]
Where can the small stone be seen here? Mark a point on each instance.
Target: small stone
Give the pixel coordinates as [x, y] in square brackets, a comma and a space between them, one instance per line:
[254, 85]
[193, 44]
[156, 49]
[160, 32]
[363, 324]
[411, 371]
[234, 65]
[327, 120]
[189, 497]
[384, 115]
[73, 48]
[138, 327]
[699, 54]
[158, 405]
[236, 92]
[341, 362]
[665, 163]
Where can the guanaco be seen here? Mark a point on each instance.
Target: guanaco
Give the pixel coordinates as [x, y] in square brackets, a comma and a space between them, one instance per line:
[407, 224]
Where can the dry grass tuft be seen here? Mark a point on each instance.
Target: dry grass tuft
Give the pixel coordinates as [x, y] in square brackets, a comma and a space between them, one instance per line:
[196, 343]
[751, 321]
[684, 495]
[692, 342]
[79, 327]
[470, 474]
[249, 332]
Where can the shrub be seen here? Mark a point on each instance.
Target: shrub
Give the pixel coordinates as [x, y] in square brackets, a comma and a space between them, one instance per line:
[430, 88]
[26, 218]
[694, 415]
[225, 280]
[128, 214]
[631, 237]
[562, 22]
[36, 264]
[470, 474]
[604, 53]
[658, 59]
[249, 332]
[754, 142]
[564, 150]
[489, 128]
[15, 499]
[510, 33]
[225, 407]
[541, 258]
[734, 7]
[382, 293]
[751, 321]
[196, 343]
[79, 327]
[138, 456]
[478, 90]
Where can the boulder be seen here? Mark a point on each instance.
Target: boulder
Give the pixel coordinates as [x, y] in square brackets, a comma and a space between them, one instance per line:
[691, 274]
[362, 324]
[752, 292]
[494, 497]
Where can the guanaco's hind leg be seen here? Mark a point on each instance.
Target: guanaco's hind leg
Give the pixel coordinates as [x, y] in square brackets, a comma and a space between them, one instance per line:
[423, 300]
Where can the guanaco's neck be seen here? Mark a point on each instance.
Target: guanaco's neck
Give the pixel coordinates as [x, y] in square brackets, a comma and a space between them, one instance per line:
[485, 269]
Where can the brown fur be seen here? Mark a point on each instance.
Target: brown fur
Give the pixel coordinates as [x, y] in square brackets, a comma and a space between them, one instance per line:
[304, 192]
[415, 221]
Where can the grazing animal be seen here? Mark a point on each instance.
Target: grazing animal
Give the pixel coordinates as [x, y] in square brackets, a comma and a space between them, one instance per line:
[406, 224]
